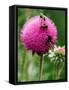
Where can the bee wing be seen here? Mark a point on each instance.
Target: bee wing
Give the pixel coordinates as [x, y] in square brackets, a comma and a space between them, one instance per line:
[52, 46]
[41, 14]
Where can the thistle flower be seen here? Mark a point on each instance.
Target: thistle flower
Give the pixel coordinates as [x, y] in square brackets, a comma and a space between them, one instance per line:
[60, 50]
[58, 54]
[38, 34]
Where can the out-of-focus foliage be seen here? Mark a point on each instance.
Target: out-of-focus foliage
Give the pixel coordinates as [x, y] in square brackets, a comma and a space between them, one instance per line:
[28, 65]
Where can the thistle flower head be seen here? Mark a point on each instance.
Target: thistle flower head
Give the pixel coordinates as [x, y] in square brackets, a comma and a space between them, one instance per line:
[39, 34]
[60, 50]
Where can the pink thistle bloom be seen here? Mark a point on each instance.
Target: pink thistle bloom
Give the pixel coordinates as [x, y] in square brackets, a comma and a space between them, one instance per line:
[60, 50]
[38, 34]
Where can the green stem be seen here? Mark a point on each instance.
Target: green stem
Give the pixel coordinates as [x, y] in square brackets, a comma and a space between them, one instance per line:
[41, 67]
[58, 71]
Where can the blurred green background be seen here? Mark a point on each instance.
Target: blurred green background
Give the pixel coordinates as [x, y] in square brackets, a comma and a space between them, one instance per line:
[28, 65]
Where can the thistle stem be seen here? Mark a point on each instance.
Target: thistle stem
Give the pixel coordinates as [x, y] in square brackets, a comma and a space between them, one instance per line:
[58, 71]
[41, 67]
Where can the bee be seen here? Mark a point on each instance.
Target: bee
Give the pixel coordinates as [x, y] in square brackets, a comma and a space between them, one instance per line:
[43, 25]
[49, 40]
